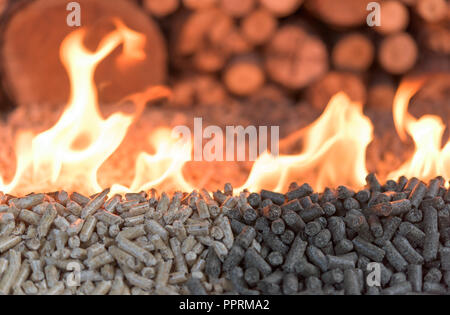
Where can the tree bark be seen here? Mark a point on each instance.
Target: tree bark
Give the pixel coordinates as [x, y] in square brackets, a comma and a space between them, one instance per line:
[282, 8]
[237, 8]
[160, 8]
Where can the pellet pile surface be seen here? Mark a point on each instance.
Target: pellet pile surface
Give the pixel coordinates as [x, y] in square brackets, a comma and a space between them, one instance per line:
[302, 242]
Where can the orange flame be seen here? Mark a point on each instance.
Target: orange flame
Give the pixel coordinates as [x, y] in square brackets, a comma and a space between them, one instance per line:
[430, 158]
[69, 155]
[163, 169]
[334, 150]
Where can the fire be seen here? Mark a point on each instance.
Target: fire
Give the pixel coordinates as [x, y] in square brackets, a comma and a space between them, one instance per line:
[430, 158]
[69, 155]
[164, 168]
[334, 151]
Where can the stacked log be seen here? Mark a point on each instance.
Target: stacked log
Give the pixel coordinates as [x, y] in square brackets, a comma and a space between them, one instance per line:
[353, 52]
[32, 69]
[259, 26]
[160, 8]
[394, 17]
[3, 5]
[342, 13]
[295, 58]
[290, 48]
[237, 47]
[319, 93]
[282, 8]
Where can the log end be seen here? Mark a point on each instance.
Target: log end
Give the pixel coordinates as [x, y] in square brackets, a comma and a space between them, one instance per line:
[394, 17]
[398, 53]
[244, 78]
[296, 58]
[34, 72]
[353, 52]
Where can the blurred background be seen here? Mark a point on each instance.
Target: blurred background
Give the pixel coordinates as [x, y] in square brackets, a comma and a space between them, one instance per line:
[260, 62]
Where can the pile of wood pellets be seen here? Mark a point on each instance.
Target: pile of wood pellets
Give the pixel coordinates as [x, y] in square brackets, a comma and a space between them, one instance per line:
[384, 239]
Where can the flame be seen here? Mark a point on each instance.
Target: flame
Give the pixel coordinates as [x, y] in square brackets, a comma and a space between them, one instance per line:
[162, 169]
[430, 158]
[334, 151]
[69, 155]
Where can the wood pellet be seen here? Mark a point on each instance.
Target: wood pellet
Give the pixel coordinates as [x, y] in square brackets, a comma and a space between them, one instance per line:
[300, 242]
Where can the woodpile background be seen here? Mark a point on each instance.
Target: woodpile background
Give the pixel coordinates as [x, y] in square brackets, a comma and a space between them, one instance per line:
[211, 52]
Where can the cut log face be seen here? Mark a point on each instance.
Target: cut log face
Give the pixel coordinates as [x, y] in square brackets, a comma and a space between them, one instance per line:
[208, 90]
[259, 26]
[244, 76]
[342, 13]
[295, 58]
[237, 8]
[30, 52]
[436, 37]
[398, 53]
[222, 26]
[198, 4]
[235, 43]
[209, 60]
[196, 28]
[394, 17]
[183, 94]
[432, 10]
[353, 52]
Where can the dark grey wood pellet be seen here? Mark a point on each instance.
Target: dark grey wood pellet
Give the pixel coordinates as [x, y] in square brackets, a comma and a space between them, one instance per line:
[278, 226]
[344, 246]
[195, 287]
[312, 228]
[254, 259]
[301, 242]
[275, 259]
[417, 194]
[276, 198]
[295, 254]
[317, 257]
[234, 257]
[251, 276]
[415, 277]
[293, 205]
[300, 192]
[290, 283]
[322, 238]
[287, 237]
